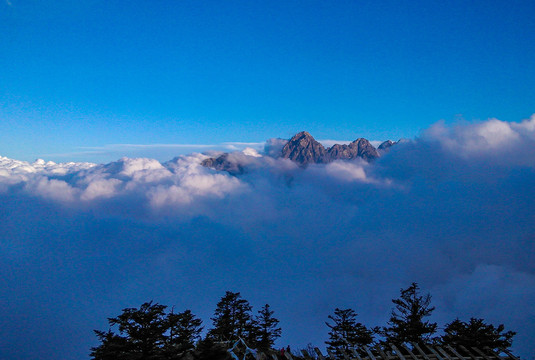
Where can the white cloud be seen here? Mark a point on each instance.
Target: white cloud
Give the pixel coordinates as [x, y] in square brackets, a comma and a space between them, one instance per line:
[329, 142]
[488, 138]
[14, 171]
[160, 152]
[179, 182]
[251, 152]
[348, 171]
[52, 189]
[526, 127]
[101, 188]
[190, 180]
[237, 146]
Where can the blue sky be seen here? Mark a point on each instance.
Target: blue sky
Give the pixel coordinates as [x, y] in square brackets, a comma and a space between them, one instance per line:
[93, 73]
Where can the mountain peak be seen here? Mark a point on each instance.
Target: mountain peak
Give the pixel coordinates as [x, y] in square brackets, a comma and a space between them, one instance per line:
[303, 149]
[302, 134]
[386, 145]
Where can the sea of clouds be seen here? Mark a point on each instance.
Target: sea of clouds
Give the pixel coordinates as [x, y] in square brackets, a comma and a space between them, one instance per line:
[453, 210]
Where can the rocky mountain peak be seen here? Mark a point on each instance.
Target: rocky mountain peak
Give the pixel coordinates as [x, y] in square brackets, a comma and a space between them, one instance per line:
[359, 148]
[224, 163]
[364, 149]
[386, 145]
[303, 149]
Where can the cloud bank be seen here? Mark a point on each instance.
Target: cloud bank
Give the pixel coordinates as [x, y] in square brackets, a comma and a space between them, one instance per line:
[453, 210]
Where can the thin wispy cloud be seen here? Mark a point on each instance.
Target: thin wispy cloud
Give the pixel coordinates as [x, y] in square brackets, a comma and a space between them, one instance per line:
[160, 151]
[148, 146]
[330, 142]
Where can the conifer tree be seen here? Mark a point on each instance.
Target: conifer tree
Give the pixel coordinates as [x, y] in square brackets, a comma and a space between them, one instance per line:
[148, 333]
[346, 333]
[112, 347]
[207, 349]
[407, 322]
[233, 320]
[476, 333]
[184, 331]
[267, 328]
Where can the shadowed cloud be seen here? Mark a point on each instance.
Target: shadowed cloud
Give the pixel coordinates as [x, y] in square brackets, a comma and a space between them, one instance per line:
[451, 210]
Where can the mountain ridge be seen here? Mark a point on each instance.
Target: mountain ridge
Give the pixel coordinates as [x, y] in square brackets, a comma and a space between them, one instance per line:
[303, 149]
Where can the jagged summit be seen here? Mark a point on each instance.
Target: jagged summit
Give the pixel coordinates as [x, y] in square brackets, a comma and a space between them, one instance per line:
[223, 163]
[359, 148]
[386, 145]
[304, 149]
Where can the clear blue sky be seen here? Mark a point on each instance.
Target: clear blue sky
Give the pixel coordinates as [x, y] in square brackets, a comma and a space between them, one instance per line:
[89, 73]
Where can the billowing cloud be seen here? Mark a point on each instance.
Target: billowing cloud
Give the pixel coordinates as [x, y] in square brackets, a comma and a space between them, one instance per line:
[508, 143]
[453, 210]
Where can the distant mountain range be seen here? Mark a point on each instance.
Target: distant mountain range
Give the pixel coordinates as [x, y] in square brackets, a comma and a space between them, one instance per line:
[303, 149]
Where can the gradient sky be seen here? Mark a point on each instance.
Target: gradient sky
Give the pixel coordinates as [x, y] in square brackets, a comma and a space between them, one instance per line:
[77, 76]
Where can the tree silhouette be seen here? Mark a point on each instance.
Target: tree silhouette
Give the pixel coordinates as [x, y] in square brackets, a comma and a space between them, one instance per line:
[233, 320]
[147, 333]
[476, 333]
[183, 331]
[346, 333]
[267, 328]
[407, 323]
[112, 347]
[207, 349]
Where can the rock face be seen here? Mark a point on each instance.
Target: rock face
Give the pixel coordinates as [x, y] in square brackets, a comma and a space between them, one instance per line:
[386, 145]
[303, 149]
[358, 148]
[223, 163]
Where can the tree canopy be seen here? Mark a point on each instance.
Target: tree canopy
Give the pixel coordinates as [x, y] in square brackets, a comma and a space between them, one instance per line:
[148, 333]
[476, 333]
[346, 333]
[407, 322]
[267, 328]
[233, 319]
